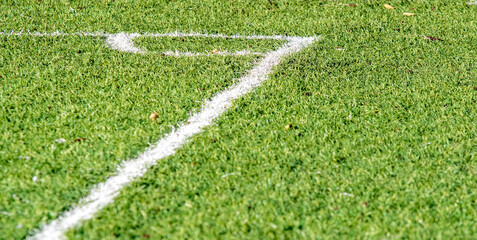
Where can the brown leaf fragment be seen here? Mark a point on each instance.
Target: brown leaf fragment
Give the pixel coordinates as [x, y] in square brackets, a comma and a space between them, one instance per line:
[154, 116]
[433, 38]
[215, 51]
[79, 139]
[388, 6]
[290, 127]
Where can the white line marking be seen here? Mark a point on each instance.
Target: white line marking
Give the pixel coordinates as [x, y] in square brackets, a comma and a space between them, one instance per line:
[104, 193]
[123, 42]
[221, 53]
[173, 34]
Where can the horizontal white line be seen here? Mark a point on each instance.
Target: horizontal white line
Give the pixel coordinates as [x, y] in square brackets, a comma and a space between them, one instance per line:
[172, 34]
[222, 53]
[124, 41]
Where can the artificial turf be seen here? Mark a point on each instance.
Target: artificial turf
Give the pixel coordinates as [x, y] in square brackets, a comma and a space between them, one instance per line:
[67, 119]
[369, 133]
[205, 45]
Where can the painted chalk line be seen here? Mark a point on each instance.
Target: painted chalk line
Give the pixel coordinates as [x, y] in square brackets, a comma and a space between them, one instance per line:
[104, 193]
[209, 54]
[171, 34]
[124, 42]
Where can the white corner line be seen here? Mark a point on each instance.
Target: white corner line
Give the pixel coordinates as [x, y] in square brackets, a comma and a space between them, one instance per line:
[123, 42]
[104, 193]
[209, 54]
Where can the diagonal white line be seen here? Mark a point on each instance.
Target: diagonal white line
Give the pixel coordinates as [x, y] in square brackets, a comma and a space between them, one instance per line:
[104, 193]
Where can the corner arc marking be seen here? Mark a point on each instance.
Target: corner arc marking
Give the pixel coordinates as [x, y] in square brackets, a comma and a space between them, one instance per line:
[104, 193]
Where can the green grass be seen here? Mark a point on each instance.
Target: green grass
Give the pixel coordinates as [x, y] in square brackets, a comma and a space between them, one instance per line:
[389, 123]
[205, 45]
[99, 101]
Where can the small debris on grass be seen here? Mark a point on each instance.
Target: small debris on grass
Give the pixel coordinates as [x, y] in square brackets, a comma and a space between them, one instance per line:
[24, 157]
[215, 51]
[188, 204]
[79, 139]
[15, 196]
[60, 140]
[19, 226]
[229, 174]
[408, 14]
[290, 127]
[346, 194]
[339, 49]
[365, 204]
[6, 213]
[34, 179]
[433, 38]
[154, 116]
[346, 4]
[146, 236]
[388, 6]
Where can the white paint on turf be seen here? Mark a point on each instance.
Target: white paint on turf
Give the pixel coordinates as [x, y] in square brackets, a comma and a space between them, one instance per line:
[123, 42]
[104, 193]
[222, 53]
[173, 34]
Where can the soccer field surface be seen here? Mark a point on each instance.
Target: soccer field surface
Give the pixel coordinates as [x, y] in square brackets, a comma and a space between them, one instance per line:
[238, 119]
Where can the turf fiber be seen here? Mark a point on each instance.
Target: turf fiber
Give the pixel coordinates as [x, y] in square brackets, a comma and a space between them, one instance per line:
[368, 133]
